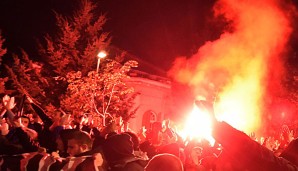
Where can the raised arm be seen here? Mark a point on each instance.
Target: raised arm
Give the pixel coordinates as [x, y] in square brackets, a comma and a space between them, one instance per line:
[40, 112]
[9, 104]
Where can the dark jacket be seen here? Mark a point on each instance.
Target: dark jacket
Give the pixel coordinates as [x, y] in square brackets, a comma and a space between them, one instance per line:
[88, 163]
[129, 164]
[46, 138]
[17, 141]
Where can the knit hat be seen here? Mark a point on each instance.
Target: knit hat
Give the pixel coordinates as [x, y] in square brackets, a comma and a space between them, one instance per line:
[118, 147]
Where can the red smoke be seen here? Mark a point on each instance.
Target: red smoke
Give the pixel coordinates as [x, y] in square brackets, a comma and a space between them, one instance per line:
[244, 64]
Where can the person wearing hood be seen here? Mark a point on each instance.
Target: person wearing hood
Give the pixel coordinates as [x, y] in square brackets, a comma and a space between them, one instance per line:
[118, 151]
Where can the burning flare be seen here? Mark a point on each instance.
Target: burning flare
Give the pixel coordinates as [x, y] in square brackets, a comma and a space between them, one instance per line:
[198, 126]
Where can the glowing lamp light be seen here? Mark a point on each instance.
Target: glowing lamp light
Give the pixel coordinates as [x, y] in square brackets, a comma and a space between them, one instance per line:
[100, 55]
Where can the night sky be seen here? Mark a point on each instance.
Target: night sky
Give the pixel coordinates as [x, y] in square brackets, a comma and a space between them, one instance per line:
[155, 31]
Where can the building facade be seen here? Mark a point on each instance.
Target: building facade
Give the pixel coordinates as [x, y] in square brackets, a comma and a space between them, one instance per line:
[154, 101]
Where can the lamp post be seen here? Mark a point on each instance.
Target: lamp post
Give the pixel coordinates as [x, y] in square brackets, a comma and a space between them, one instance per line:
[100, 55]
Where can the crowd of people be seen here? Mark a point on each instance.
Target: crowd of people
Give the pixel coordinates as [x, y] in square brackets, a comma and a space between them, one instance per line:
[61, 141]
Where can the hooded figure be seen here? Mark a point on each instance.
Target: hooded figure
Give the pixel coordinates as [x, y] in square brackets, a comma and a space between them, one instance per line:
[118, 151]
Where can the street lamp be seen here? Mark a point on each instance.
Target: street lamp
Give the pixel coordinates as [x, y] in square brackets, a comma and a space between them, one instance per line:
[100, 55]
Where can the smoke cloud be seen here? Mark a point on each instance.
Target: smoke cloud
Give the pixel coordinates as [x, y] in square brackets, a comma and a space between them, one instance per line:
[244, 64]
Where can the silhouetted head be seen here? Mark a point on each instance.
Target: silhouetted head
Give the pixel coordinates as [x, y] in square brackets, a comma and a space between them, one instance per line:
[118, 147]
[164, 162]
